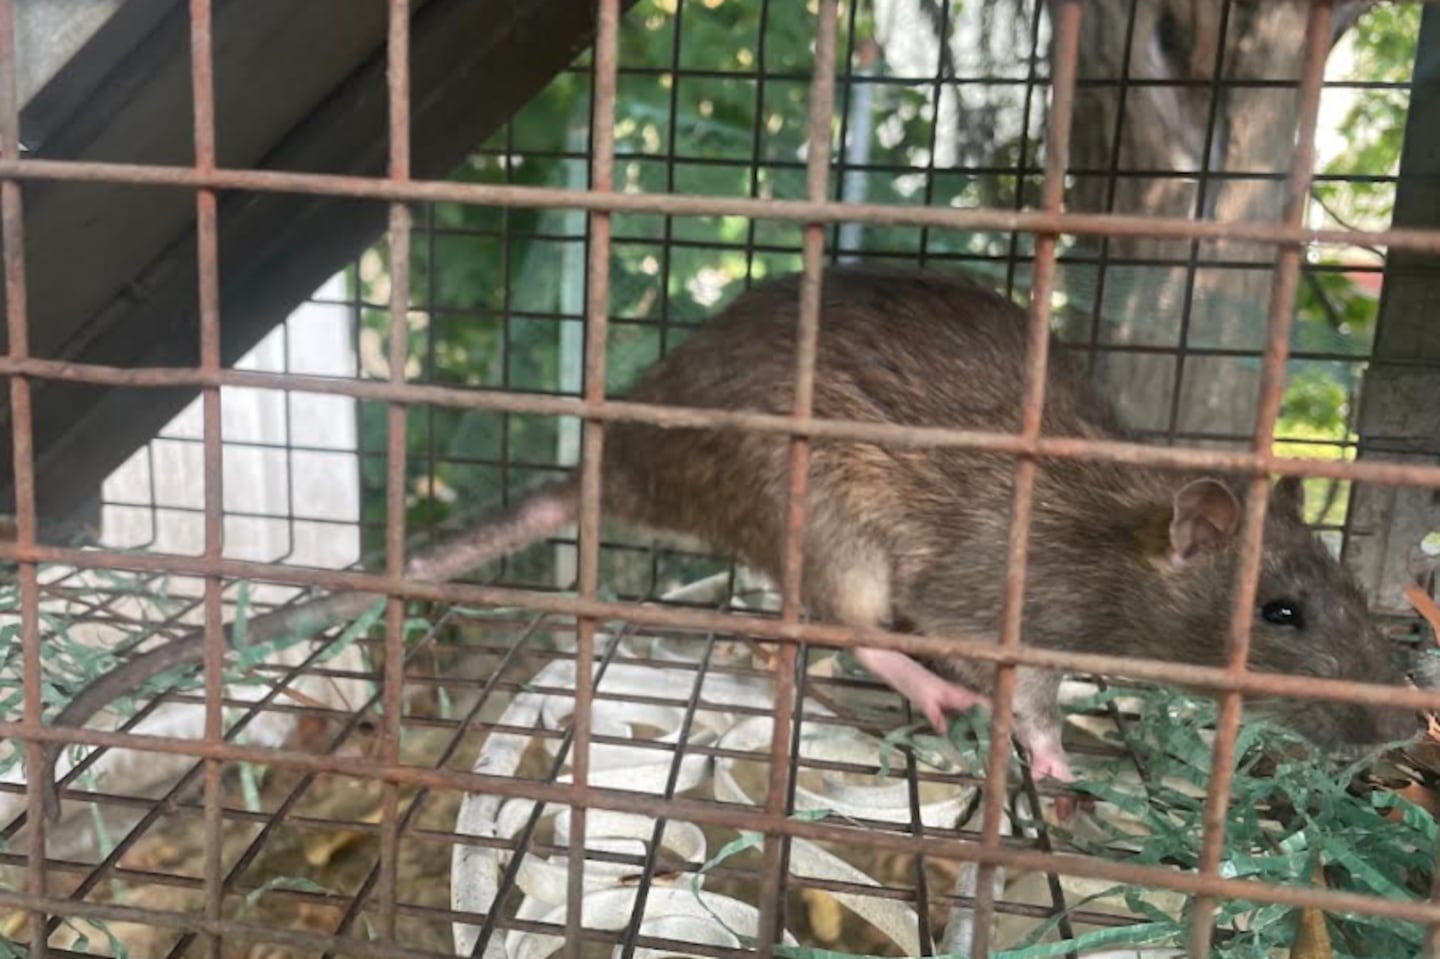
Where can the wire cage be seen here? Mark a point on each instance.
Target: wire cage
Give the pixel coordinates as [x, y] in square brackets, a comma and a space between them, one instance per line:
[608, 743]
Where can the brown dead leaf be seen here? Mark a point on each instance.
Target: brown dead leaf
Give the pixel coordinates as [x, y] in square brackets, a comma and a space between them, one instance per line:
[1421, 756]
[1312, 937]
[826, 918]
[1425, 606]
[321, 847]
[153, 856]
[766, 655]
[311, 734]
[10, 928]
[1422, 796]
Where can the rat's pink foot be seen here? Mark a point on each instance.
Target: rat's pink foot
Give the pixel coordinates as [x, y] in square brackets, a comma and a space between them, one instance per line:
[932, 696]
[1048, 761]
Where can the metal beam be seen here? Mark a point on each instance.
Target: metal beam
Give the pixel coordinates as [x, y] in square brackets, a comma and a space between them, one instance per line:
[112, 268]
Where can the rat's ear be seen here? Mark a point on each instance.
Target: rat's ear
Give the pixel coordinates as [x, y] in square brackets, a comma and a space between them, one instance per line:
[1203, 517]
[1288, 496]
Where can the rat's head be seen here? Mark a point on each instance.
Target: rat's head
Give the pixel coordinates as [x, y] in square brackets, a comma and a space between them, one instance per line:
[1309, 616]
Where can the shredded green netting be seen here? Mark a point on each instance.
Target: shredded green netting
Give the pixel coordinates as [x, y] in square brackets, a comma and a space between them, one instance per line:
[252, 898]
[1291, 811]
[70, 664]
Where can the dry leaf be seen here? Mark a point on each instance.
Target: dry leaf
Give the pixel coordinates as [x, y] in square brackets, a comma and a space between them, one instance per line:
[304, 699]
[153, 856]
[766, 655]
[1422, 796]
[1425, 606]
[1423, 755]
[12, 925]
[1312, 938]
[825, 914]
[321, 847]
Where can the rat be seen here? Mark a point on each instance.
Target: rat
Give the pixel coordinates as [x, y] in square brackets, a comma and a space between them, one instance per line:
[1124, 559]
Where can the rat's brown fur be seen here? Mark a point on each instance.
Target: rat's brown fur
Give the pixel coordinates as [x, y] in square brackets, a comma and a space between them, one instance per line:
[933, 349]
[923, 532]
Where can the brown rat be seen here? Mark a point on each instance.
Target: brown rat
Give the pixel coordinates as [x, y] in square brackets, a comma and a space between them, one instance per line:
[1125, 560]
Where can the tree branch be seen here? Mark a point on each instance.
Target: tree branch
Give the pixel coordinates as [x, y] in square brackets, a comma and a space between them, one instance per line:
[1345, 16]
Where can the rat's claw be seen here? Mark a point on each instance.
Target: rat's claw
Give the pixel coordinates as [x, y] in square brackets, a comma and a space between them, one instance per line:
[1067, 806]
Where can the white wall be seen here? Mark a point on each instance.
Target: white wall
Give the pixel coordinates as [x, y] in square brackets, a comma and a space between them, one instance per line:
[312, 486]
[292, 502]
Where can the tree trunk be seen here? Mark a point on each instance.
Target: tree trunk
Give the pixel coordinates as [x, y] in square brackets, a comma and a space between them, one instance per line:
[1166, 128]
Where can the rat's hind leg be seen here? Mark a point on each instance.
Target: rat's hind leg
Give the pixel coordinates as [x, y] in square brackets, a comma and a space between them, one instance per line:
[1038, 723]
[852, 587]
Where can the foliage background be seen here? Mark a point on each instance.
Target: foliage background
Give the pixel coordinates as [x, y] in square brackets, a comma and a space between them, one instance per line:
[497, 294]
[497, 298]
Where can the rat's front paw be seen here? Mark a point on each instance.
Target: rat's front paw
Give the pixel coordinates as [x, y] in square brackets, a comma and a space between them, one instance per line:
[933, 697]
[941, 701]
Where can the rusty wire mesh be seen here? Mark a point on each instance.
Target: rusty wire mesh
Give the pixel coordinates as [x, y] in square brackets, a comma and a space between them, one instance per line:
[490, 669]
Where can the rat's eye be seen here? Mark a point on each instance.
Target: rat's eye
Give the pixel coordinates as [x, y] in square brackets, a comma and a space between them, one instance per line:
[1283, 612]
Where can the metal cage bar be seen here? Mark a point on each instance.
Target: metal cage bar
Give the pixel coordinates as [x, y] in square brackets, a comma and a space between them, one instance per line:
[1057, 156]
[1380, 473]
[208, 265]
[597, 298]
[397, 77]
[12, 235]
[1204, 677]
[807, 335]
[1247, 573]
[682, 204]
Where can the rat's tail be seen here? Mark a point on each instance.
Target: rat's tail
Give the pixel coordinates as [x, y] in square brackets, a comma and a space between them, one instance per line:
[539, 514]
[535, 517]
